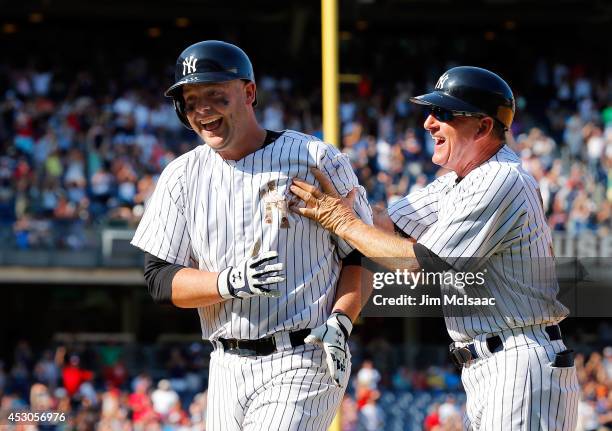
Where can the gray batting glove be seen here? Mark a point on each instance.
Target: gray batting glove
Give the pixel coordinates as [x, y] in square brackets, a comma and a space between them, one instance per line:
[333, 335]
[251, 277]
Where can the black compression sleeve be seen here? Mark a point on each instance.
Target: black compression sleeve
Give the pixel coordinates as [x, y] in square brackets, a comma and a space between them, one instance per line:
[159, 274]
[428, 260]
[353, 258]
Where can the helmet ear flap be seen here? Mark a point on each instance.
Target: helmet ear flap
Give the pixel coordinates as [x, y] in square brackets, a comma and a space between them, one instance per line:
[179, 107]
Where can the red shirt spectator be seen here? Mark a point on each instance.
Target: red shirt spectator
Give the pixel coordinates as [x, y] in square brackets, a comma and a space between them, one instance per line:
[73, 376]
[432, 420]
[140, 403]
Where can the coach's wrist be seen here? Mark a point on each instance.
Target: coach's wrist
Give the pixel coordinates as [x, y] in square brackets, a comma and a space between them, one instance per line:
[345, 322]
[348, 228]
[225, 289]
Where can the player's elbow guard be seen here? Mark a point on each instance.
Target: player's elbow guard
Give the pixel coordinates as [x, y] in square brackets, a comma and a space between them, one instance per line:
[158, 275]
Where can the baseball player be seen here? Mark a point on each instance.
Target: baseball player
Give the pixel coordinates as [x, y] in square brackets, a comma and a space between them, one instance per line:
[484, 215]
[276, 293]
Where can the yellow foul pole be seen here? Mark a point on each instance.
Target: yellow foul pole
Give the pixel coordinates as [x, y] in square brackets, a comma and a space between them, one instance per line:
[329, 62]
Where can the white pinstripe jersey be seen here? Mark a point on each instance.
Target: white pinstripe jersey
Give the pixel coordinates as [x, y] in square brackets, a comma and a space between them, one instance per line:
[207, 212]
[491, 221]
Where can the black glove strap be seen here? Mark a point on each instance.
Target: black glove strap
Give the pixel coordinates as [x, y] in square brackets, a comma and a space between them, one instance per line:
[344, 330]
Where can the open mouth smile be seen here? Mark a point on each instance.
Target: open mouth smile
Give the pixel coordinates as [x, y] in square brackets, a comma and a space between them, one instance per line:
[211, 125]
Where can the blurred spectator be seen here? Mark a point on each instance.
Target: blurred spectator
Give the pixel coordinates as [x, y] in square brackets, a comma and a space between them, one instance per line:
[607, 362]
[368, 376]
[164, 398]
[432, 420]
[401, 380]
[40, 398]
[47, 370]
[449, 412]
[371, 416]
[139, 401]
[197, 411]
[113, 367]
[73, 376]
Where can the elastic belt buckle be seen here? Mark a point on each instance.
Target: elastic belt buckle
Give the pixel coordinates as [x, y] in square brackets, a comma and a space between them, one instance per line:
[460, 355]
[230, 344]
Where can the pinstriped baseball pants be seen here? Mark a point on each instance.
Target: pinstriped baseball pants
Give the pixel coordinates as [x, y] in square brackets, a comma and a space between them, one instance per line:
[519, 389]
[289, 390]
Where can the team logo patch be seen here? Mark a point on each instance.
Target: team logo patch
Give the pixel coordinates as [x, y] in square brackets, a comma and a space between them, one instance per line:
[189, 65]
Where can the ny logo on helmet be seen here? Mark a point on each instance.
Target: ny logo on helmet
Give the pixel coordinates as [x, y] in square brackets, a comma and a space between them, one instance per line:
[441, 81]
[189, 65]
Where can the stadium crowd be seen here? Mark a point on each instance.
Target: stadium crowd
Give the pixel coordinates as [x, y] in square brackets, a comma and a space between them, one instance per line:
[78, 153]
[98, 389]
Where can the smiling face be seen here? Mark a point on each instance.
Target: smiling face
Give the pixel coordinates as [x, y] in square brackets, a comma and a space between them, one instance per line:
[218, 111]
[455, 141]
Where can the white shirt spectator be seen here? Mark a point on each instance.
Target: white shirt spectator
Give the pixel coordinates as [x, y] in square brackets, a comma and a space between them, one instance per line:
[164, 398]
[368, 376]
[595, 146]
[384, 154]
[447, 410]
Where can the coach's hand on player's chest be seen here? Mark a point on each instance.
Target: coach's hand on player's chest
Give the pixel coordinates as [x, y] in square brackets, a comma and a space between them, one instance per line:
[334, 212]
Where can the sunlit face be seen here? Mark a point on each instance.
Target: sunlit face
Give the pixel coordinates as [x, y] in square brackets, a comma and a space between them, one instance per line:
[216, 111]
[454, 140]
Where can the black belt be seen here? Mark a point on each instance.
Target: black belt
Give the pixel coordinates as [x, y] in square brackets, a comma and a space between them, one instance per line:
[461, 355]
[262, 347]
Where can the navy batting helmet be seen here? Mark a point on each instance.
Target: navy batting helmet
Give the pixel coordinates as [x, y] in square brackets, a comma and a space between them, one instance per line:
[472, 90]
[208, 61]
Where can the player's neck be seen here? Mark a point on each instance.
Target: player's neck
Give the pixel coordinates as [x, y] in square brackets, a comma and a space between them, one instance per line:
[253, 140]
[483, 154]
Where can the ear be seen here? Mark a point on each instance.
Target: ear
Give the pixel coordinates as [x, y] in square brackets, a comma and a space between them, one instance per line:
[250, 92]
[485, 128]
